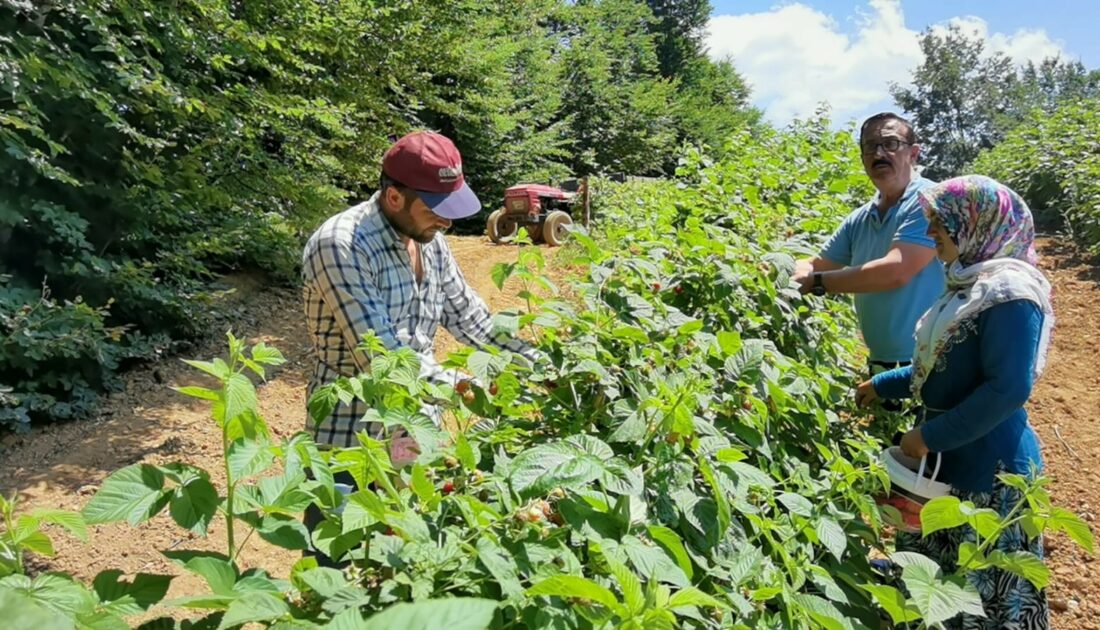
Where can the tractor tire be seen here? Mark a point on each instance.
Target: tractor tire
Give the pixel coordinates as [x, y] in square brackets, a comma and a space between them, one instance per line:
[500, 226]
[554, 228]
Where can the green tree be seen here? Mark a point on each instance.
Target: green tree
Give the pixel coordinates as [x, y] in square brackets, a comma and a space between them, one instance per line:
[964, 100]
[617, 106]
[680, 28]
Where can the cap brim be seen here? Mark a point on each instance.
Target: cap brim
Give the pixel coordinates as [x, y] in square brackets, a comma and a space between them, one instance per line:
[459, 204]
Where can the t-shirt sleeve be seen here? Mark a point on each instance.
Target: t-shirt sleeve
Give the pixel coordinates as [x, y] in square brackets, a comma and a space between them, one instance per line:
[839, 246]
[913, 227]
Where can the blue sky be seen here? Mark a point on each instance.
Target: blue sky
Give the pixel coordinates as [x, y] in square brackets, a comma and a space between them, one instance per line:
[846, 52]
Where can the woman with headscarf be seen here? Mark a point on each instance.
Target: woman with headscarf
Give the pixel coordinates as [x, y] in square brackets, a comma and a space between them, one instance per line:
[979, 350]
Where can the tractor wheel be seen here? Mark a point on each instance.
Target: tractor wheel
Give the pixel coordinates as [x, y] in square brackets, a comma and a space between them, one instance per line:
[500, 226]
[554, 229]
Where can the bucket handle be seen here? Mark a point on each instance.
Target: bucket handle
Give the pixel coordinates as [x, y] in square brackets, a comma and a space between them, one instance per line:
[935, 472]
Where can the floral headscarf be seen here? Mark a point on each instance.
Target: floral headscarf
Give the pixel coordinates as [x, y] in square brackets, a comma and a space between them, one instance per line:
[986, 219]
[995, 234]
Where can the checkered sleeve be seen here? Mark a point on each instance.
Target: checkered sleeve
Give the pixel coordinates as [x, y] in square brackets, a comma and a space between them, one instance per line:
[347, 287]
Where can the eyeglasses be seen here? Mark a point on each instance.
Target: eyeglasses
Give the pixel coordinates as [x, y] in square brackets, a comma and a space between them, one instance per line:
[890, 145]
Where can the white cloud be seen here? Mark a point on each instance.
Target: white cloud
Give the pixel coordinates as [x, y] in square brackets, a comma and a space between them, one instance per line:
[795, 56]
[1022, 46]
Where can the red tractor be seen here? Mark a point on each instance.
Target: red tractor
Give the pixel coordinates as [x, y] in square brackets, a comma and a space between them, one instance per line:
[544, 210]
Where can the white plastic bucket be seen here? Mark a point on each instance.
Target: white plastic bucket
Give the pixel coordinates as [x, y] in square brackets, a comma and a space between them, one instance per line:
[910, 488]
[907, 473]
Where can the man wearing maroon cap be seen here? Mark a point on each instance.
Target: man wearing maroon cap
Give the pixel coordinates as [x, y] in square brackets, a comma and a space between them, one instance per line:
[384, 267]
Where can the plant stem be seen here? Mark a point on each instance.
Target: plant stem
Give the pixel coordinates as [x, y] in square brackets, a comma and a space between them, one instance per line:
[9, 509]
[230, 487]
[1007, 522]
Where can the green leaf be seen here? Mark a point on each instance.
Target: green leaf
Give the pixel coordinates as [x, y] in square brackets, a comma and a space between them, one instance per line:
[194, 505]
[452, 614]
[939, 600]
[719, 496]
[1024, 564]
[240, 396]
[219, 574]
[747, 361]
[423, 488]
[37, 542]
[282, 495]
[985, 521]
[501, 565]
[55, 591]
[970, 557]
[653, 562]
[893, 602]
[324, 581]
[322, 403]
[409, 525]
[198, 392]
[73, 522]
[466, 455]
[693, 597]
[253, 606]
[362, 510]
[906, 559]
[823, 612]
[728, 455]
[796, 504]
[538, 470]
[21, 612]
[751, 475]
[629, 583]
[102, 619]
[832, 536]
[941, 513]
[218, 369]
[133, 597]
[285, 531]
[1065, 521]
[573, 586]
[248, 458]
[134, 494]
[501, 272]
[266, 355]
[348, 619]
[670, 541]
[485, 366]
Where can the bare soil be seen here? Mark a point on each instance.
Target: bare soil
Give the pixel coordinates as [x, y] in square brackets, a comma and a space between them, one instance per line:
[62, 465]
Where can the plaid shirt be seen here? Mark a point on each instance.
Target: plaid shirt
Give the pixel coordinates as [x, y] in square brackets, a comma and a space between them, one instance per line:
[358, 277]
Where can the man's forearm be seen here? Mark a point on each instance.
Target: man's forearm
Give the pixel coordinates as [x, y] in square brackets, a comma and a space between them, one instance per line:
[871, 277]
[816, 264]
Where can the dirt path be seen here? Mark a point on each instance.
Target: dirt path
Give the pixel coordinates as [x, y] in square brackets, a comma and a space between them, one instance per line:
[63, 465]
[1064, 408]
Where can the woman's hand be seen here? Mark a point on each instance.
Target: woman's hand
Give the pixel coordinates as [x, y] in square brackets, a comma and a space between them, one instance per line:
[912, 444]
[865, 394]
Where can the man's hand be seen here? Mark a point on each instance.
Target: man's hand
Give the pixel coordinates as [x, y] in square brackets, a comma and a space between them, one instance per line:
[805, 281]
[912, 444]
[866, 394]
[803, 267]
[804, 275]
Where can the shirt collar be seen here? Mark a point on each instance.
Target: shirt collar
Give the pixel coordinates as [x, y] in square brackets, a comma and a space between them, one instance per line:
[377, 224]
[910, 190]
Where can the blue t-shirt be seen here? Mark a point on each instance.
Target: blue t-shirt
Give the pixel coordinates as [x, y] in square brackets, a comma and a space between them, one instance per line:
[889, 318]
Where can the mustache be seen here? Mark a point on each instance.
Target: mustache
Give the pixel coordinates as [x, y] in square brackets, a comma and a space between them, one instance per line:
[880, 162]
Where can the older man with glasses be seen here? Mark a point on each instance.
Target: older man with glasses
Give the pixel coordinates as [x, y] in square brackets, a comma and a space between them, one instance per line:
[882, 252]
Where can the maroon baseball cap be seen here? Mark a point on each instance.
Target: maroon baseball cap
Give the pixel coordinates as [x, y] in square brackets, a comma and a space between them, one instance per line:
[430, 164]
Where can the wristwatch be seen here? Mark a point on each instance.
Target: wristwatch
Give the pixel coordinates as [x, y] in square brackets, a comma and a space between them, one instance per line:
[819, 286]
